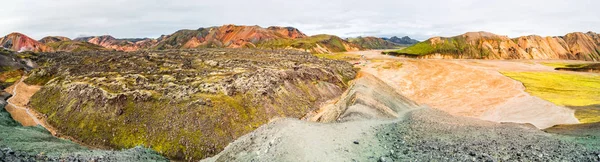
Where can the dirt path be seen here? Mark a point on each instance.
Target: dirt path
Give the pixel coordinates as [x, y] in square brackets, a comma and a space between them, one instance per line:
[17, 105]
[470, 88]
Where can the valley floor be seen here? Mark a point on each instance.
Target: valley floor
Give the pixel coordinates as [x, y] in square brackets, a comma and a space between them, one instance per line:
[470, 103]
[470, 88]
[401, 109]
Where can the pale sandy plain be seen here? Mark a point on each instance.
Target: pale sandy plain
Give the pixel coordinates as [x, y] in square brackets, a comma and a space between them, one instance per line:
[470, 88]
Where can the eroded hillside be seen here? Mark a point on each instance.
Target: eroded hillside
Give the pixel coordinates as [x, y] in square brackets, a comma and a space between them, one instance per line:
[184, 104]
[484, 45]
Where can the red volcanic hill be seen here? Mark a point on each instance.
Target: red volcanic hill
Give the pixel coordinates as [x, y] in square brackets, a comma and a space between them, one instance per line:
[20, 42]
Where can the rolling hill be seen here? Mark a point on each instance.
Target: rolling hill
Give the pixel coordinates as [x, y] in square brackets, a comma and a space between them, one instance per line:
[322, 43]
[74, 46]
[51, 39]
[372, 43]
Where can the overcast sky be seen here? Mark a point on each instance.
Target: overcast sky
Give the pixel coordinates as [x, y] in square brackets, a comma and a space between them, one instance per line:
[419, 19]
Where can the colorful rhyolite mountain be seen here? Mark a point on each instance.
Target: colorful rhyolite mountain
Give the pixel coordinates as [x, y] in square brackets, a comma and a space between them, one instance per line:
[59, 43]
[110, 42]
[226, 36]
[21, 42]
[484, 45]
[234, 36]
[229, 36]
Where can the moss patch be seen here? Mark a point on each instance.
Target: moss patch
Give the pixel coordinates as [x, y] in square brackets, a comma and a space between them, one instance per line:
[339, 56]
[392, 65]
[185, 104]
[563, 89]
[330, 42]
[562, 64]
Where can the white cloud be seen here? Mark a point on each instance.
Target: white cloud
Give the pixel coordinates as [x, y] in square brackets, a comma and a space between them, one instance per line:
[420, 19]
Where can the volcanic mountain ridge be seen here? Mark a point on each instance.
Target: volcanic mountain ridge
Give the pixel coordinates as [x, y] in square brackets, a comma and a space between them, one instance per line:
[485, 45]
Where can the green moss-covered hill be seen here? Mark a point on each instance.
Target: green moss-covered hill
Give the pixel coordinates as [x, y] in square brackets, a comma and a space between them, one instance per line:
[373, 43]
[74, 46]
[320, 44]
[187, 104]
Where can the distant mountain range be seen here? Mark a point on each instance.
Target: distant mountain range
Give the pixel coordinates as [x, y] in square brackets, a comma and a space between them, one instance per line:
[402, 41]
[484, 45]
[226, 36]
[373, 43]
[471, 45]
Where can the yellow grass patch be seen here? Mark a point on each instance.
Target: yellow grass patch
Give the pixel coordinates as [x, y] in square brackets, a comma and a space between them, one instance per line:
[339, 56]
[562, 64]
[392, 65]
[11, 76]
[564, 89]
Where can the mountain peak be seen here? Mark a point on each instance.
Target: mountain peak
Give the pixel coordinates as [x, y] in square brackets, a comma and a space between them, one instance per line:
[480, 34]
[51, 39]
[404, 40]
[20, 42]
